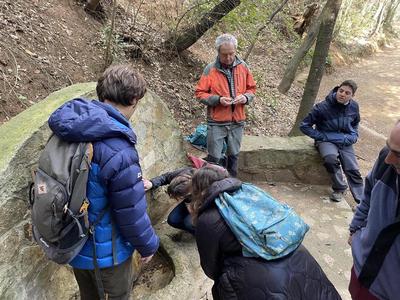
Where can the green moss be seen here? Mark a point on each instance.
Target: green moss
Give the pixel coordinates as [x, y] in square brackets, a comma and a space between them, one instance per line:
[16, 131]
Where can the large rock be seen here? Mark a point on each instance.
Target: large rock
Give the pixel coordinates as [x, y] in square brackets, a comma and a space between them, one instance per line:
[286, 159]
[189, 281]
[25, 272]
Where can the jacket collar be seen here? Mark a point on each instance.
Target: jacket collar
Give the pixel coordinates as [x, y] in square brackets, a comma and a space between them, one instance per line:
[228, 185]
[80, 120]
[218, 64]
[331, 98]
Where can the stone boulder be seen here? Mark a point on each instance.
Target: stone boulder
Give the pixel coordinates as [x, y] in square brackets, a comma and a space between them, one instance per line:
[286, 159]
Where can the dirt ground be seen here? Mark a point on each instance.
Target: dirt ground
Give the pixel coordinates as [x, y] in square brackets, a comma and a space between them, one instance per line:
[46, 45]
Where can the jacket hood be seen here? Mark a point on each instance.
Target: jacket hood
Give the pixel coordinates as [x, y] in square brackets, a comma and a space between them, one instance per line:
[80, 120]
[331, 97]
[228, 185]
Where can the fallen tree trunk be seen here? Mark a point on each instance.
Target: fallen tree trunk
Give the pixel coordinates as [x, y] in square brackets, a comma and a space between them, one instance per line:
[195, 32]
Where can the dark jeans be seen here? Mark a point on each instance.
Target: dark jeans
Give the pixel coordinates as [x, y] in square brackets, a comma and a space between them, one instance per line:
[117, 282]
[180, 218]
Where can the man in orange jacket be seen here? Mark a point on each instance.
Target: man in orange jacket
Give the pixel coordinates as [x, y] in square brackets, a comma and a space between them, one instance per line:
[226, 86]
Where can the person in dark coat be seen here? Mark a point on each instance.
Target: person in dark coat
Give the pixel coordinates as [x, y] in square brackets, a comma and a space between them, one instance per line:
[333, 124]
[295, 276]
[179, 188]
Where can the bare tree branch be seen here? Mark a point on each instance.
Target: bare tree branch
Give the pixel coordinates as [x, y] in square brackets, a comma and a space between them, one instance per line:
[110, 39]
[261, 28]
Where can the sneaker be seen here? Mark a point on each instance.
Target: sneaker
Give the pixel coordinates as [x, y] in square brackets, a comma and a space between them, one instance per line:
[336, 196]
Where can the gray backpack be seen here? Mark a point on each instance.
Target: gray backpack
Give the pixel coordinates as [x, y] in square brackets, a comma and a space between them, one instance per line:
[60, 222]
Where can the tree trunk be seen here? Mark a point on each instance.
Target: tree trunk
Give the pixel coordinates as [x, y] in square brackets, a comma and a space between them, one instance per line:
[388, 22]
[379, 18]
[108, 55]
[317, 68]
[91, 5]
[342, 17]
[193, 33]
[368, 7]
[293, 65]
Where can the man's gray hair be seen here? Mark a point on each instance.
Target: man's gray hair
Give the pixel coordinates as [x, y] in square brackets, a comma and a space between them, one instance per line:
[225, 38]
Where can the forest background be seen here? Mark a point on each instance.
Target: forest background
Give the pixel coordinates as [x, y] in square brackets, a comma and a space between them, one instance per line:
[46, 45]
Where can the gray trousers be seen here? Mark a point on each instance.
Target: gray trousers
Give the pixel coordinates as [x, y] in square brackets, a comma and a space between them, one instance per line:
[336, 159]
[232, 134]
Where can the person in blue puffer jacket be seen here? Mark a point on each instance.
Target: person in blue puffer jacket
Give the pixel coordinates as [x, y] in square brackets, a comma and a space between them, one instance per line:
[114, 186]
[333, 124]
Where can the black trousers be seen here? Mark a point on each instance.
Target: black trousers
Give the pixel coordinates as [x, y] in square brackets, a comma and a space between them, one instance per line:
[117, 282]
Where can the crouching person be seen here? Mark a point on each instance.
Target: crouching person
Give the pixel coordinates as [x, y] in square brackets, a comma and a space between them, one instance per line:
[115, 190]
[179, 188]
[293, 275]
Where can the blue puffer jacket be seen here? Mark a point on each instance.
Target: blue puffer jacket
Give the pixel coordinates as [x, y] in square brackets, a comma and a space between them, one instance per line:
[334, 122]
[115, 180]
[377, 210]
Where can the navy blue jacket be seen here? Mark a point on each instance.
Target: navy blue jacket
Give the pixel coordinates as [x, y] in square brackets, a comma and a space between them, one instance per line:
[115, 180]
[334, 122]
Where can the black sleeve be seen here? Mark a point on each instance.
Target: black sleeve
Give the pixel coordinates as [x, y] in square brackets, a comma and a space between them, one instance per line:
[166, 178]
[214, 241]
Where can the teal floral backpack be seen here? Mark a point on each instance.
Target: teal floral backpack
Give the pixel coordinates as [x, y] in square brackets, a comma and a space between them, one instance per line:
[199, 138]
[265, 227]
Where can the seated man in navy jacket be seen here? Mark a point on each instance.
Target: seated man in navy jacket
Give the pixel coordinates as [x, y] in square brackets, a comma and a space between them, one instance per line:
[333, 124]
[115, 184]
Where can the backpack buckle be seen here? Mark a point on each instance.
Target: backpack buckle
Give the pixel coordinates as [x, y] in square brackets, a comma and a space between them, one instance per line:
[65, 208]
[84, 207]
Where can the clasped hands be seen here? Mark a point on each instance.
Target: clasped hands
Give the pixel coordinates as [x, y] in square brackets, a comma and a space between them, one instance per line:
[240, 99]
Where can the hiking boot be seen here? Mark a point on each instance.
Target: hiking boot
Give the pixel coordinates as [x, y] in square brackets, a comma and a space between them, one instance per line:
[336, 196]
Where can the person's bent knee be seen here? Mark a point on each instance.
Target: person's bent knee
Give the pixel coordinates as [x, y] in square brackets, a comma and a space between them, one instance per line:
[331, 163]
[355, 175]
[174, 220]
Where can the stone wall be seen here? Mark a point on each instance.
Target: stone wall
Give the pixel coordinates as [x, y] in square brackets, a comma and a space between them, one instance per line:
[286, 159]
